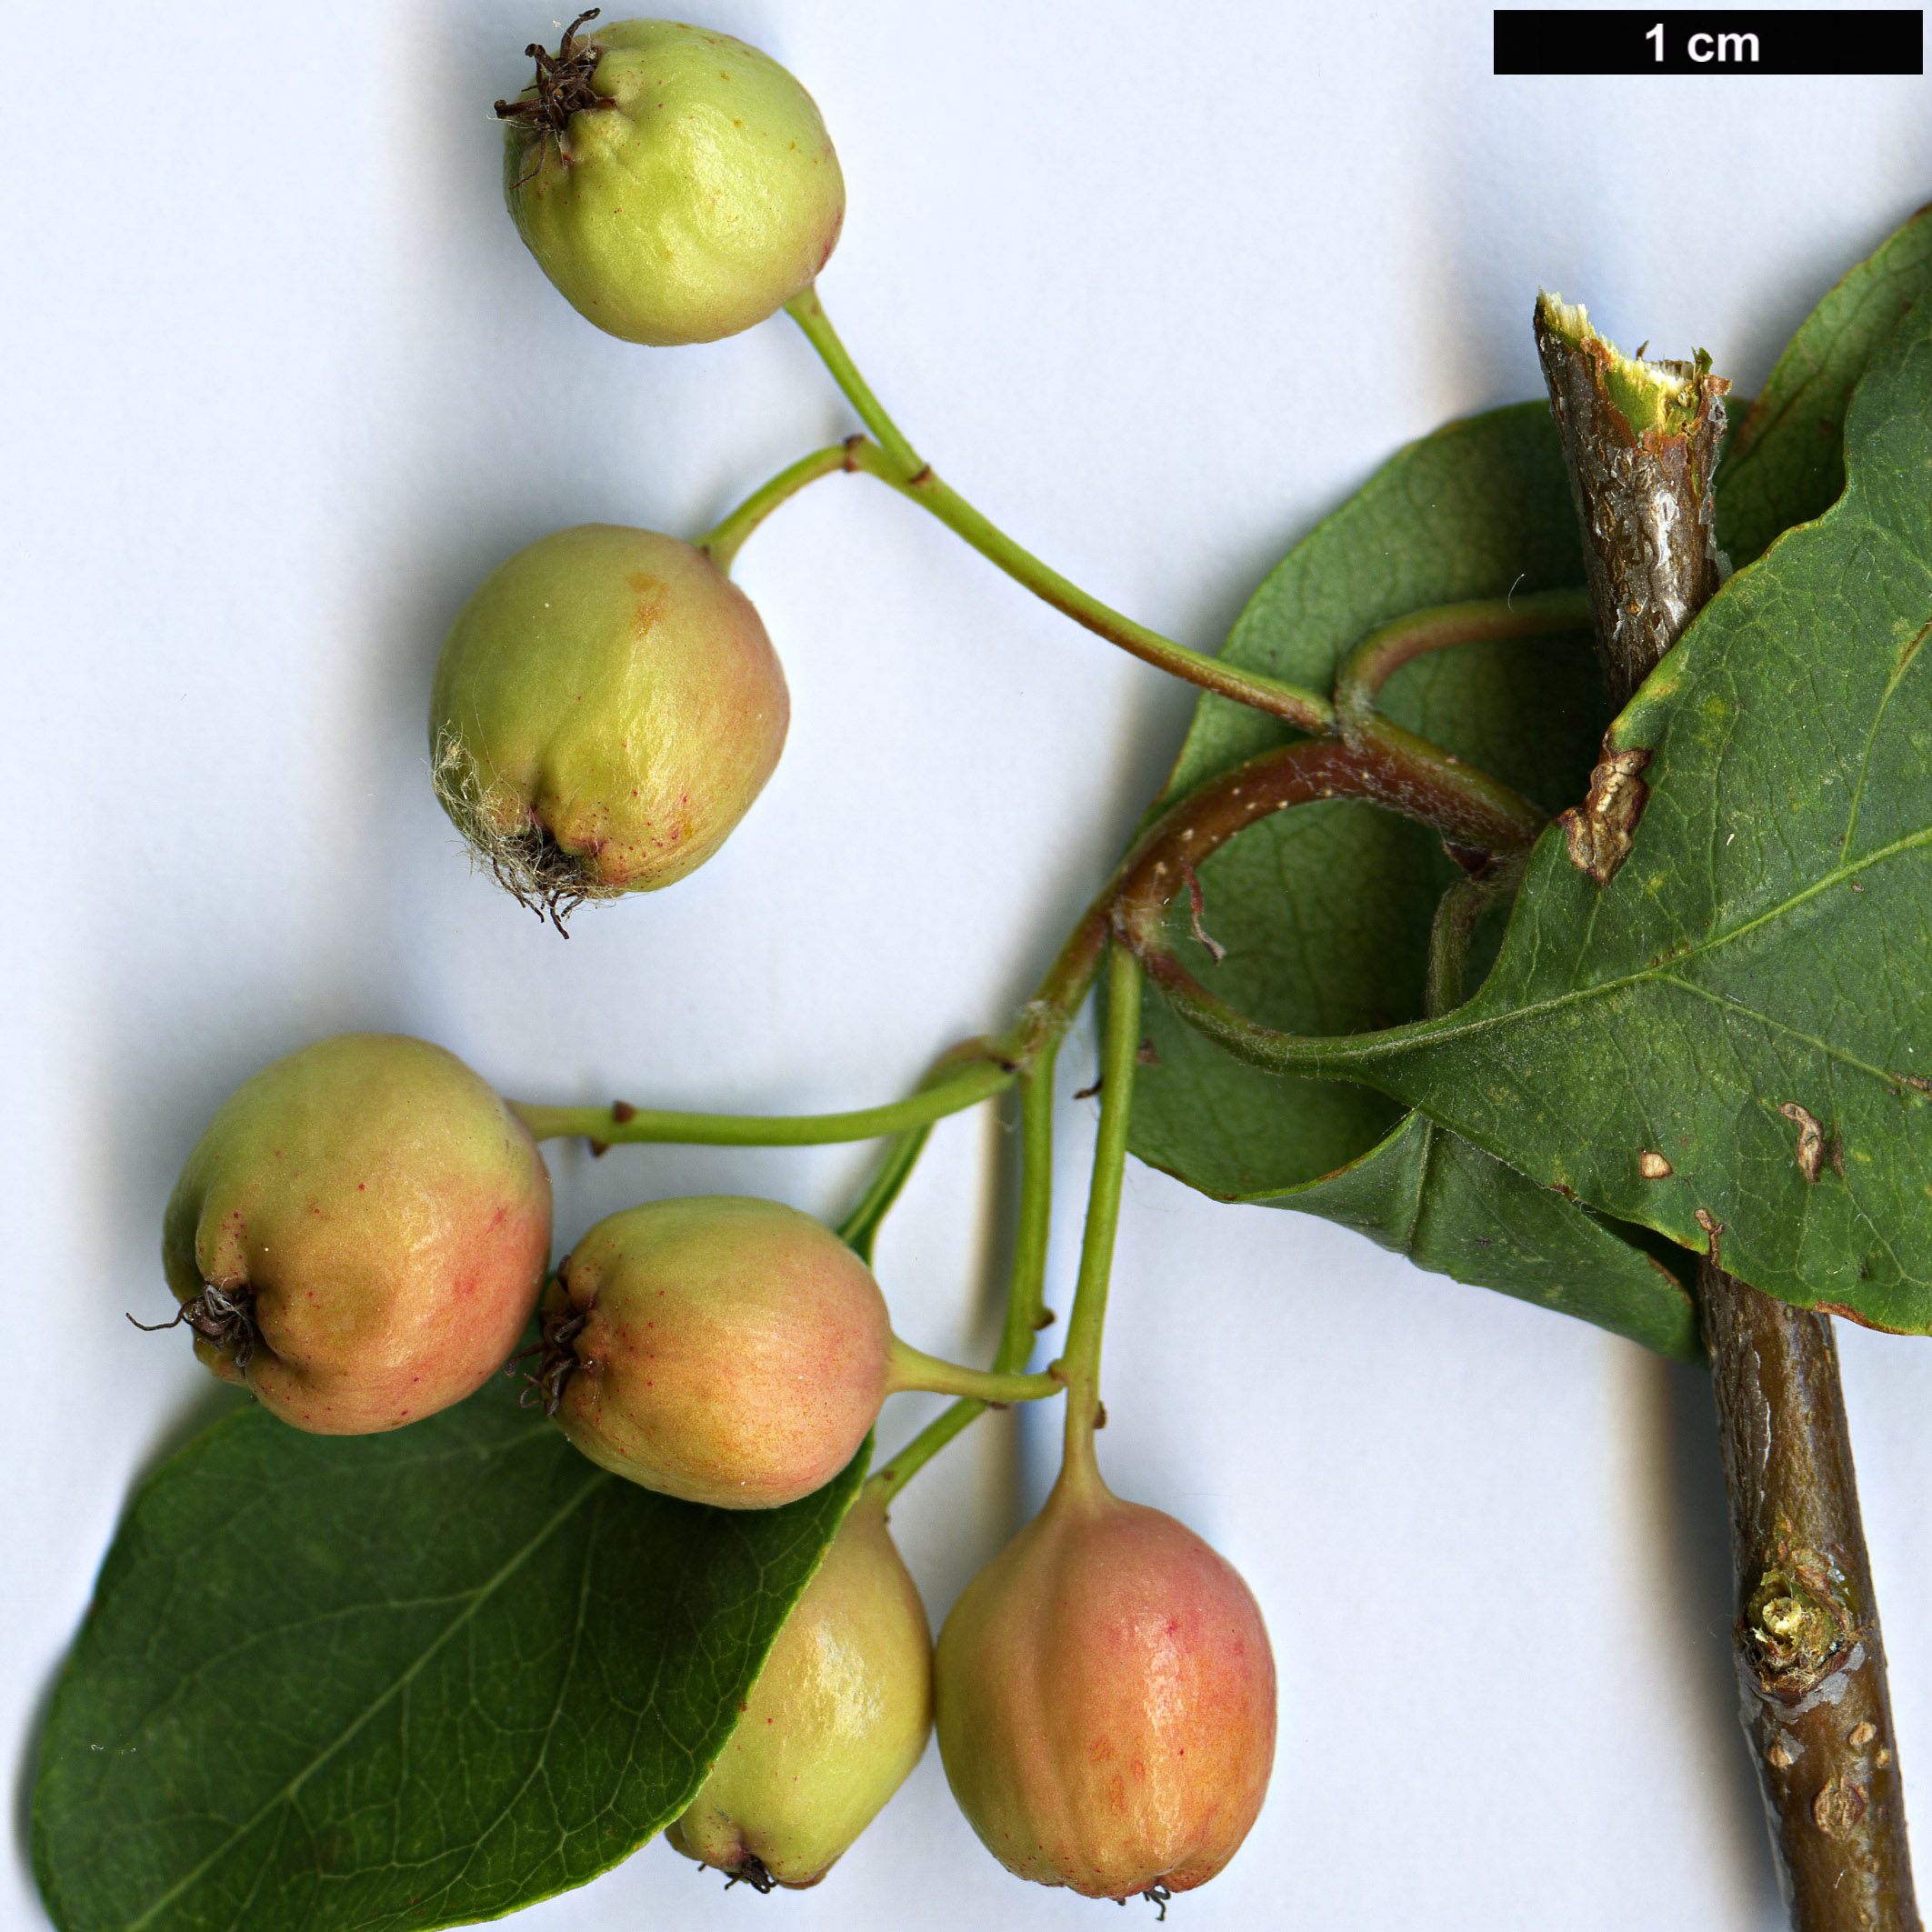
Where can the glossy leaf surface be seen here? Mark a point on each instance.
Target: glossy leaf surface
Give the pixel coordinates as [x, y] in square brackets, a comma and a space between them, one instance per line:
[1764, 959]
[1324, 911]
[1452, 1209]
[1786, 462]
[1479, 509]
[406, 1680]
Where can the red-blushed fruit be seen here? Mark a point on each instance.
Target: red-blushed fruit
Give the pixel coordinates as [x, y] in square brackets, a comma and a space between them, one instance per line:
[729, 1351]
[1105, 1699]
[833, 1726]
[605, 708]
[360, 1235]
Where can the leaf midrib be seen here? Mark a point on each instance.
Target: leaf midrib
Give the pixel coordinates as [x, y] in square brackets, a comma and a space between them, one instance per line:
[594, 1480]
[1431, 1034]
[541, 1763]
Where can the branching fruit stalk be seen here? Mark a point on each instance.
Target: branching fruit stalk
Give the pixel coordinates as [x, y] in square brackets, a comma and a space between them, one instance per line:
[1025, 1308]
[1120, 1049]
[889, 456]
[1640, 441]
[1405, 771]
[1026, 1293]
[962, 1080]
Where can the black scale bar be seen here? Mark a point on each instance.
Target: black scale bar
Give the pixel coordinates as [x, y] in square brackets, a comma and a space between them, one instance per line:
[1731, 41]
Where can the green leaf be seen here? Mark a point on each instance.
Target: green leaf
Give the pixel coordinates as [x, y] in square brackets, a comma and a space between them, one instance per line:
[1454, 1210]
[1768, 944]
[1324, 911]
[1479, 509]
[1334, 900]
[1309, 955]
[1785, 462]
[414, 1679]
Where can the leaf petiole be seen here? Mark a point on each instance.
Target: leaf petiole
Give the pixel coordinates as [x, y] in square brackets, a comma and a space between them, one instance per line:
[1133, 902]
[1456, 915]
[1389, 646]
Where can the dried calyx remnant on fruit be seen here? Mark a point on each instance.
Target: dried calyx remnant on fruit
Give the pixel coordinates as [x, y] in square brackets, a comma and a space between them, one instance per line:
[676, 184]
[360, 1235]
[729, 1351]
[1105, 1699]
[605, 708]
[833, 1726]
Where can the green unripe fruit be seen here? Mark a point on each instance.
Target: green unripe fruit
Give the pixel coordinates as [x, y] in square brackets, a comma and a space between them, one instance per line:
[605, 708]
[834, 1724]
[360, 1235]
[1104, 1697]
[677, 184]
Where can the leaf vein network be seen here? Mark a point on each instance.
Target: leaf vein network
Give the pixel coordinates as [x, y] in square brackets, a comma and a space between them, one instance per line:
[487, 1589]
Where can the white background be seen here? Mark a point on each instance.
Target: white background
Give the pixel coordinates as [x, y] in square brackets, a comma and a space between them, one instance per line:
[1157, 293]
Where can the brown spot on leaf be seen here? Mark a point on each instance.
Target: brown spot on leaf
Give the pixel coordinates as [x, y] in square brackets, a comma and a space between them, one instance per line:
[1810, 1140]
[1910, 649]
[1603, 828]
[1652, 1166]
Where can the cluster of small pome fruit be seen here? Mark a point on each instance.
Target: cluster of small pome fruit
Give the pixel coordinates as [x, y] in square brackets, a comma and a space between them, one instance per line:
[362, 1236]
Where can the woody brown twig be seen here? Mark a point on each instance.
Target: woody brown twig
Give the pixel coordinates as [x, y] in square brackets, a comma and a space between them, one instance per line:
[1810, 1656]
[1640, 442]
